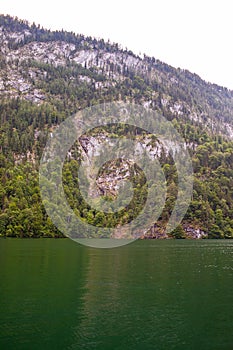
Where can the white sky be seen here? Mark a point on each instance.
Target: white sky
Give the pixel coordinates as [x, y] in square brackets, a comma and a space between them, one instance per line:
[190, 34]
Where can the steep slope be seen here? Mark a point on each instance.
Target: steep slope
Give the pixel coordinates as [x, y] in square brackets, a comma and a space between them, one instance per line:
[46, 76]
[28, 54]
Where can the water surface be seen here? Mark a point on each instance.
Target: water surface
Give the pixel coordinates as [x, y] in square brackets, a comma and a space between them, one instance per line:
[56, 294]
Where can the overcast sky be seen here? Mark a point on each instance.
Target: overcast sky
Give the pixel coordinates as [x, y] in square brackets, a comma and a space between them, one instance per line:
[190, 34]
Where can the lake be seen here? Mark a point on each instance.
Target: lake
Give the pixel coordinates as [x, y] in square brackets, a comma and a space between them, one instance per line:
[173, 294]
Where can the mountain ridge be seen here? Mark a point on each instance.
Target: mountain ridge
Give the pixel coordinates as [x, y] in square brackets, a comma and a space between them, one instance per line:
[187, 92]
[45, 76]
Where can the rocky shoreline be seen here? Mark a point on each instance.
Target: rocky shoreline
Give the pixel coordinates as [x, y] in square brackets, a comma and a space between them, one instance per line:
[188, 232]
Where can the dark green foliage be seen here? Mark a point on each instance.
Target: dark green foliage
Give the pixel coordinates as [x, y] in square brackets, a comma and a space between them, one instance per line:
[178, 233]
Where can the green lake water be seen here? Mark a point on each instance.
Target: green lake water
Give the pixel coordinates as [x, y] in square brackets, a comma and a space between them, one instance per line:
[56, 294]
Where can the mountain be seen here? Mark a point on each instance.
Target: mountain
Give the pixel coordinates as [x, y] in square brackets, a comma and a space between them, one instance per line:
[46, 76]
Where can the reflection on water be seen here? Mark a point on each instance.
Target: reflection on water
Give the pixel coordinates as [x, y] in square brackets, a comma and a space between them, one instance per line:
[56, 294]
